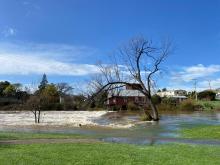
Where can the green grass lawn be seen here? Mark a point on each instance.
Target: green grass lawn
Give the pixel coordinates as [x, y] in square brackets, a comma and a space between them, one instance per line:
[20, 135]
[202, 132]
[108, 154]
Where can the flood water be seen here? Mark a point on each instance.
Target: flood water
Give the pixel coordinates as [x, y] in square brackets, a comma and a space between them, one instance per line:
[164, 131]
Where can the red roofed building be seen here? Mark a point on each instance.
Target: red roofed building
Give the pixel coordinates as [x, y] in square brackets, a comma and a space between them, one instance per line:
[130, 94]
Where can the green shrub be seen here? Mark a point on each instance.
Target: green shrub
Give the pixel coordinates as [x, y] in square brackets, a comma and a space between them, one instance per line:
[132, 107]
[156, 99]
[208, 106]
[145, 118]
[187, 105]
[167, 104]
[169, 101]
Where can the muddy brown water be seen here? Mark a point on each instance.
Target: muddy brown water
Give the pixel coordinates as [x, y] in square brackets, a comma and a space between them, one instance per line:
[164, 131]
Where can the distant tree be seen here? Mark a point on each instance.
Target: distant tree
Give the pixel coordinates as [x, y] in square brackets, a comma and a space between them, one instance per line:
[43, 82]
[22, 95]
[9, 91]
[80, 101]
[164, 89]
[49, 96]
[159, 90]
[191, 95]
[64, 88]
[207, 95]
[3, 85]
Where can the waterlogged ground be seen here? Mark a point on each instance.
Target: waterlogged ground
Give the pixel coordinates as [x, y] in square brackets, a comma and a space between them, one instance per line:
[166, 130]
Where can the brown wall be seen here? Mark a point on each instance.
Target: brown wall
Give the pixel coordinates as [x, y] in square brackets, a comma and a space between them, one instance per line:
[125, 100]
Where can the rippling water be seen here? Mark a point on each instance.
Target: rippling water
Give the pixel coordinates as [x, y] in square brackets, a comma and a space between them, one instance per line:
[166, 130]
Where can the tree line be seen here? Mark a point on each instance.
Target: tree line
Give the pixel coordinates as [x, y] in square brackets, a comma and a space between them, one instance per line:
[48, 96]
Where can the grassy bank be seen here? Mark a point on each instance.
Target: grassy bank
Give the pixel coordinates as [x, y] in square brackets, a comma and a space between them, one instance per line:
[202, 132]
[20, 136]
[109, 154]
[210, 105]
[189, 105]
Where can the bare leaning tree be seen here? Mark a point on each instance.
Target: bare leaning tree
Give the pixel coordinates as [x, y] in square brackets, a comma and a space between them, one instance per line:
[139, 61]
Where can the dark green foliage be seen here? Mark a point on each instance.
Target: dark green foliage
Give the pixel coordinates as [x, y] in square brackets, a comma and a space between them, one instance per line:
[43, 82]
[49, 97]
[9, 91]
[11, 95]
[156, 99]
[207, 95]
[3, 85]
[164, 89]
[192, 95]
[208, 106]
[79, 102]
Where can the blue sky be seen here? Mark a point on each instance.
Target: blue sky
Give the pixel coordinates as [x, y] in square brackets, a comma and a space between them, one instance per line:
[66, 38]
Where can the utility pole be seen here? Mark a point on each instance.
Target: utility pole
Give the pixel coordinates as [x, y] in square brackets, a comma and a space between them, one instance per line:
[195, 85]
[210, 84]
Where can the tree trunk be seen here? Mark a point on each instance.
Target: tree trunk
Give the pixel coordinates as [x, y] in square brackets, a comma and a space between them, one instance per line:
[35, 116]
[154, 111]
[38, 119]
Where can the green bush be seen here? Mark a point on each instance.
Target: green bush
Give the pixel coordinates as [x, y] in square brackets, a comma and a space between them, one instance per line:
[187, 105]
[169, 101]
[208, 106]
[167, 104]
[145, 118]
[156, 99]
[132, 107]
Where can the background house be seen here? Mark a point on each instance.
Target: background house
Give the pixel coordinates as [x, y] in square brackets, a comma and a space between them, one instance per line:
[121, 97]
[179, 95]
[217, 97]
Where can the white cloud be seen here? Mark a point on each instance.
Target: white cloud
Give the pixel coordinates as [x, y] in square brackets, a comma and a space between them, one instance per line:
[25, 65]
[195, 72]
[61, 52]
[213, 83]
[205, 75]
[52, 59]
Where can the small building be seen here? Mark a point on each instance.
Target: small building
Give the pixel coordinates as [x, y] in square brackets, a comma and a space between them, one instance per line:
[217, 97]
[172, 93]
[178, 95]
[121, 98]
